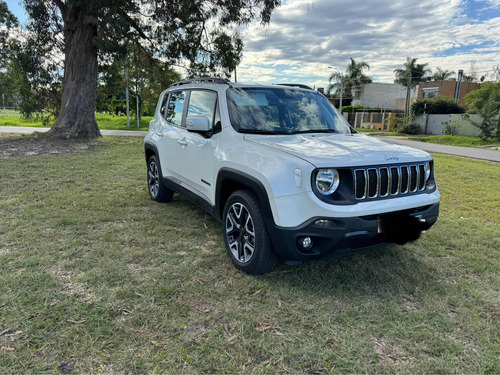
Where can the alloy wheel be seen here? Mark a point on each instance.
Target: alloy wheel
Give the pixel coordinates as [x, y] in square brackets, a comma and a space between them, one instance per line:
[240, 232]
[153, 179]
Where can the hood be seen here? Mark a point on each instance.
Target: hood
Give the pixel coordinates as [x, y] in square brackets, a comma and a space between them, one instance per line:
[339, 150]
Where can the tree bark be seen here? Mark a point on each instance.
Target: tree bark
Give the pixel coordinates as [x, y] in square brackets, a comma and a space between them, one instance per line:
[77, 115]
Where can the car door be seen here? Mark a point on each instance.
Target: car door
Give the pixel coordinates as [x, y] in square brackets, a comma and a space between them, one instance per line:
[171, 134]
[198, 153]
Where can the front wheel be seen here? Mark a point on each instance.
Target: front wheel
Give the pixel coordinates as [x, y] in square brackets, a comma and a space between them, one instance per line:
[157, 190]
[245, 234]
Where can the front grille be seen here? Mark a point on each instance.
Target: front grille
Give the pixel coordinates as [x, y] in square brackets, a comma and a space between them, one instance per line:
[384, 181]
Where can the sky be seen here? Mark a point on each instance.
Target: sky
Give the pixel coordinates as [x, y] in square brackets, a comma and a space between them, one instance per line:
[307, 39]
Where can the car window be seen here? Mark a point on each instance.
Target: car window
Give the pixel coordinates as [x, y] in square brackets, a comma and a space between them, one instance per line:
[202, 103]
[283, 111]
[164, 102]
[176, 107]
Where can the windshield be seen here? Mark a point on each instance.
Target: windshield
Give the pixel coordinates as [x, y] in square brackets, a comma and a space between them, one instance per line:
[283, 111]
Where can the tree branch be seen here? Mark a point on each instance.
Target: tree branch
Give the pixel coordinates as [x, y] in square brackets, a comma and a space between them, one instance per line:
[61, 6]
[133, 23]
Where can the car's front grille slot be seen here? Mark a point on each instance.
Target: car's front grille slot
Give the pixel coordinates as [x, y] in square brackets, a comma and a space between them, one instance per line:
[360, 183]
[372, 183]
[385, 181]
[388, 181]
[403, 188]
[421, 177]
[395, 176]
[413, 178]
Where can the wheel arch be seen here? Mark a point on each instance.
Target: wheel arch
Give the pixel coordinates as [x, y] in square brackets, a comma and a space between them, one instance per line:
[230, 180]
[150, 150]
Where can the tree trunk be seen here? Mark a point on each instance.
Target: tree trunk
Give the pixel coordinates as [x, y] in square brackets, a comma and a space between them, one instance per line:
[77, 116]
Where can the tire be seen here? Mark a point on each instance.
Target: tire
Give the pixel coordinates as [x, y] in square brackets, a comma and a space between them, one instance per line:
[245, 234]
[157, 190]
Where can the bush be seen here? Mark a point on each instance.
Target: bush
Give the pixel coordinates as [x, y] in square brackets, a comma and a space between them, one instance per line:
[436, 106]
[410, 128]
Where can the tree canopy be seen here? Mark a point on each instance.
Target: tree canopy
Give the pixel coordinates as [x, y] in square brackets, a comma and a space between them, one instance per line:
[7, 21]
[412, 71]
[486, 103]
[442, 74]
[200, 32]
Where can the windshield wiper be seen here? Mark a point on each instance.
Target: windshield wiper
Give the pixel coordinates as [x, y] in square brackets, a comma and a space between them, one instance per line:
[315, 131]
[256, 131]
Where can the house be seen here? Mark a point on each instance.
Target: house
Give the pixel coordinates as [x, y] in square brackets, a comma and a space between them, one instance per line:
[447, 89]
[389, 96]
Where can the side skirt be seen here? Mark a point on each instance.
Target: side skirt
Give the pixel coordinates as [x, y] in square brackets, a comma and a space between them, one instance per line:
[197, 198]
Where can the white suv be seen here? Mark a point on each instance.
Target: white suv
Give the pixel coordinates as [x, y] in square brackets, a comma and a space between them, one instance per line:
[285, 173]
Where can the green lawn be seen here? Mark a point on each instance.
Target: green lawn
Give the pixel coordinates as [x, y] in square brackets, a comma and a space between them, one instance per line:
[97, 277]
[456, 140]
[105, 121]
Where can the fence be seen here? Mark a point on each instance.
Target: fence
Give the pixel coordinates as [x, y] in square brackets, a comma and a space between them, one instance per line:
[433, 124]
[370, 120]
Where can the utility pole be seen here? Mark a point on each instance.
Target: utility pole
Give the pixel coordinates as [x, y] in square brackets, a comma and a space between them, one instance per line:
[341, 93]
[408, 89]
[126, 94]
[459, 85]
[235, 76]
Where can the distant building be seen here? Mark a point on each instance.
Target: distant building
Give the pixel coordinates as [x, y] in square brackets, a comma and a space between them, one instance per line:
[391, 96]
[447, 89]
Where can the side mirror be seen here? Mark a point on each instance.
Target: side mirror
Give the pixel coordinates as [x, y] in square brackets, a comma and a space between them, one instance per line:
[198, 124]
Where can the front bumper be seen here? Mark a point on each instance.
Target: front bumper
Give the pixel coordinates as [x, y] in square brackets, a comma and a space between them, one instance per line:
[347, 235]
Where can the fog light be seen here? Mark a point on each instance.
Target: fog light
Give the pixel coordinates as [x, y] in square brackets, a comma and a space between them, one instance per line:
[324, 223]
[306, 243]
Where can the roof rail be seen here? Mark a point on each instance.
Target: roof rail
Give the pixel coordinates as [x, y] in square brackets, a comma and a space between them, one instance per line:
[299, 85]
[200, 80]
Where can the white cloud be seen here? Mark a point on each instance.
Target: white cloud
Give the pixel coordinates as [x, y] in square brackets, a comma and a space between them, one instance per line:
[305, 37]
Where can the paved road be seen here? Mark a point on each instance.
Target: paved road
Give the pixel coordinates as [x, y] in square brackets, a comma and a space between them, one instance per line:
[470, 152]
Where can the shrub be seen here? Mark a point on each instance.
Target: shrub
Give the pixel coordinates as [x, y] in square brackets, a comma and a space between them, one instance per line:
[436, 106]
[410, 128]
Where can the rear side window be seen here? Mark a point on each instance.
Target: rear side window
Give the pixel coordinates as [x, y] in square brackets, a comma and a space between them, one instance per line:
[203, 103]
[164, 102]
[175, 107]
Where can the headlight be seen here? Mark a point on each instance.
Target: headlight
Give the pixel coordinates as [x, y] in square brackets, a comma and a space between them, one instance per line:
[427, 171]
[327, 181]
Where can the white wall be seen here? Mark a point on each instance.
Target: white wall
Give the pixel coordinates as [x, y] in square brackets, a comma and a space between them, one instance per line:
[380, 95]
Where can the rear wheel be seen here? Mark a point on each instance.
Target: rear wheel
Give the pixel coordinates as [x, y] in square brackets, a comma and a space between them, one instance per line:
[245, 234]
[157, 190]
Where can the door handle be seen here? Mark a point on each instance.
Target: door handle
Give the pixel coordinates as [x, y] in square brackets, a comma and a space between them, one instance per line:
[182, 142]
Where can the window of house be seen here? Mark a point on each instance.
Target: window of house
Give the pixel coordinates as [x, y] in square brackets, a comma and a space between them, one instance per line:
[357, 94]
[202, 103]
[176, 107]
[430, 92]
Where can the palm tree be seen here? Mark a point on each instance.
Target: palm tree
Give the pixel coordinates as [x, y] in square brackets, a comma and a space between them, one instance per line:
[412, 71]
[353, 76]
[442, 75]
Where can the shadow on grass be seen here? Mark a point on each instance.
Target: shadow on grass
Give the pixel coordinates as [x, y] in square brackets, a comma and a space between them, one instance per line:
[383, 271]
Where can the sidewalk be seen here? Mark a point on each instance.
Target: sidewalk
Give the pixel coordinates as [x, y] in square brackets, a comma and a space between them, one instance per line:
[468, 152]
[29, 130]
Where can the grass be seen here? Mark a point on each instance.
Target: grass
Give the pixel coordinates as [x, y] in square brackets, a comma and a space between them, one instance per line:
[104, 121]
[457, 140]
[97, 277]
[452, 140]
